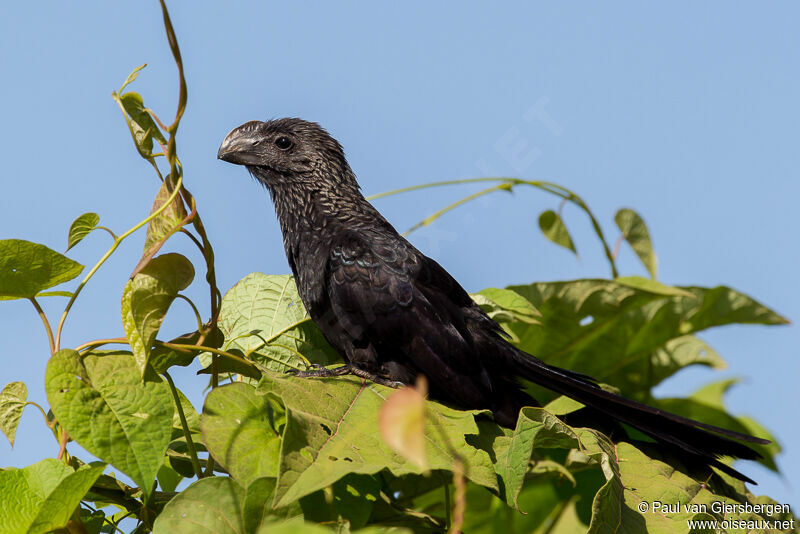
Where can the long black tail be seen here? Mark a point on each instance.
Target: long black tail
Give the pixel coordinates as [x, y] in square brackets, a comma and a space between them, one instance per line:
[698, 440]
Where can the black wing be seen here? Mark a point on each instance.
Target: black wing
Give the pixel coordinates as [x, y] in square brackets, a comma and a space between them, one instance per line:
[399, 313]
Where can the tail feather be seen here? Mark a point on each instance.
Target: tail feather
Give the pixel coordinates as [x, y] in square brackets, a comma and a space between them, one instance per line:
[698, 439]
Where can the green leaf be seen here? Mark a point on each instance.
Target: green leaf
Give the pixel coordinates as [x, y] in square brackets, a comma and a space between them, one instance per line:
[163, 225]
[257, 510]
[626, 334]
[536, 428]
[553, 228]
[27, 268]
[540, 499]
[354, 497]
[192, 417]
[162, 358]
[42, 497]
[504, 305]
[652, 286]
[101, 400]
[635, 232]
[220, 505]
[168, 478]
[93, 520]
[12, 402]
[146, 299]
[330, 432]
[671, 357]
[208, 505]
[634, 477]
[239, 432]
[263, 317]
[143, 127]
[722, 305]
[81, 227]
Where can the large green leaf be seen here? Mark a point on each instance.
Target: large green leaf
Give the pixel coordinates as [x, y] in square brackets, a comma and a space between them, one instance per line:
[27, 268]
[628, 334]
[635, 232]
[12, 402]
[42, 497]
[210, 505]
[331, 431]
[219, 505]
[633, 475]
[263, 317]
[634, 478]
[505, 305]
[240, 433]
[102, 401]
[540, 499]
[536, 428]
[146, 299]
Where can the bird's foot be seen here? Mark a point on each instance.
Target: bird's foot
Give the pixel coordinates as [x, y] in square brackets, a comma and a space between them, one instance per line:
[319, 371]
[377, 379]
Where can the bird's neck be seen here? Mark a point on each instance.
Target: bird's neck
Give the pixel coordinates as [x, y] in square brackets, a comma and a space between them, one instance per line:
[309, 215]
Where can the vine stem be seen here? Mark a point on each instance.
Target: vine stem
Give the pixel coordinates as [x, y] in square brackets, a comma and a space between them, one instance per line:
[109, 252]
[426, 221]
[194, 309]
[185, 426]
[185, 347]
[46, 323]
[508, 183]
[44, 414]
[111, 233]
[448, 516]
[99, 342]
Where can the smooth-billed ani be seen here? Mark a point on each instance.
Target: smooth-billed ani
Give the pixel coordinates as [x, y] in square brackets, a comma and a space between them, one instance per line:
[394, 313]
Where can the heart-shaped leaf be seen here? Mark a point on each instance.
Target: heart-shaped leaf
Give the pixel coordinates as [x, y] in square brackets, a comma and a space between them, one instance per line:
[103, 403]
[27, 268]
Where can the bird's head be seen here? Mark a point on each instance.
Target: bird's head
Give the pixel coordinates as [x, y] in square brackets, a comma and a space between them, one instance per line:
[286, 151]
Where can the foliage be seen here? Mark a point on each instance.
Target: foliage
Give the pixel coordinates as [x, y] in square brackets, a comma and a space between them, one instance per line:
[274, 453]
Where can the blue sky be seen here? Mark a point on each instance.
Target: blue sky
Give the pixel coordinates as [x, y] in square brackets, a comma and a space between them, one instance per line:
[686, 112]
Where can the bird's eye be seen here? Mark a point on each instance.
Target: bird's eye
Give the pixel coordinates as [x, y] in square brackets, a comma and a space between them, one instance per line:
[284, 143]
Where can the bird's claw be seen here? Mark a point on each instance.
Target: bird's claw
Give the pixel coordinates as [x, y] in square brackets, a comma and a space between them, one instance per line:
[318, 371]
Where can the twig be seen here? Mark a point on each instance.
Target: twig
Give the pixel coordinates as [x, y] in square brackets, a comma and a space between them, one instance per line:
[46, 324]
[185, 426]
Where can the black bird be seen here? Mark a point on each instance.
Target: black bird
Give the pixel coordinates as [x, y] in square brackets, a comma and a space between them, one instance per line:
[394, 313]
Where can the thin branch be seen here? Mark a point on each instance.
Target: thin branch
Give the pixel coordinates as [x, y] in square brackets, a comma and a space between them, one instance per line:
[194, 309]
[108, 253]
[428, 220]
[439, 184]
[62, 441]
[46, 324]
[187, 348]
[44, 414]
[99, 342]
[113, 235]
[549, 187]
[185, 426]
[193, 238]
